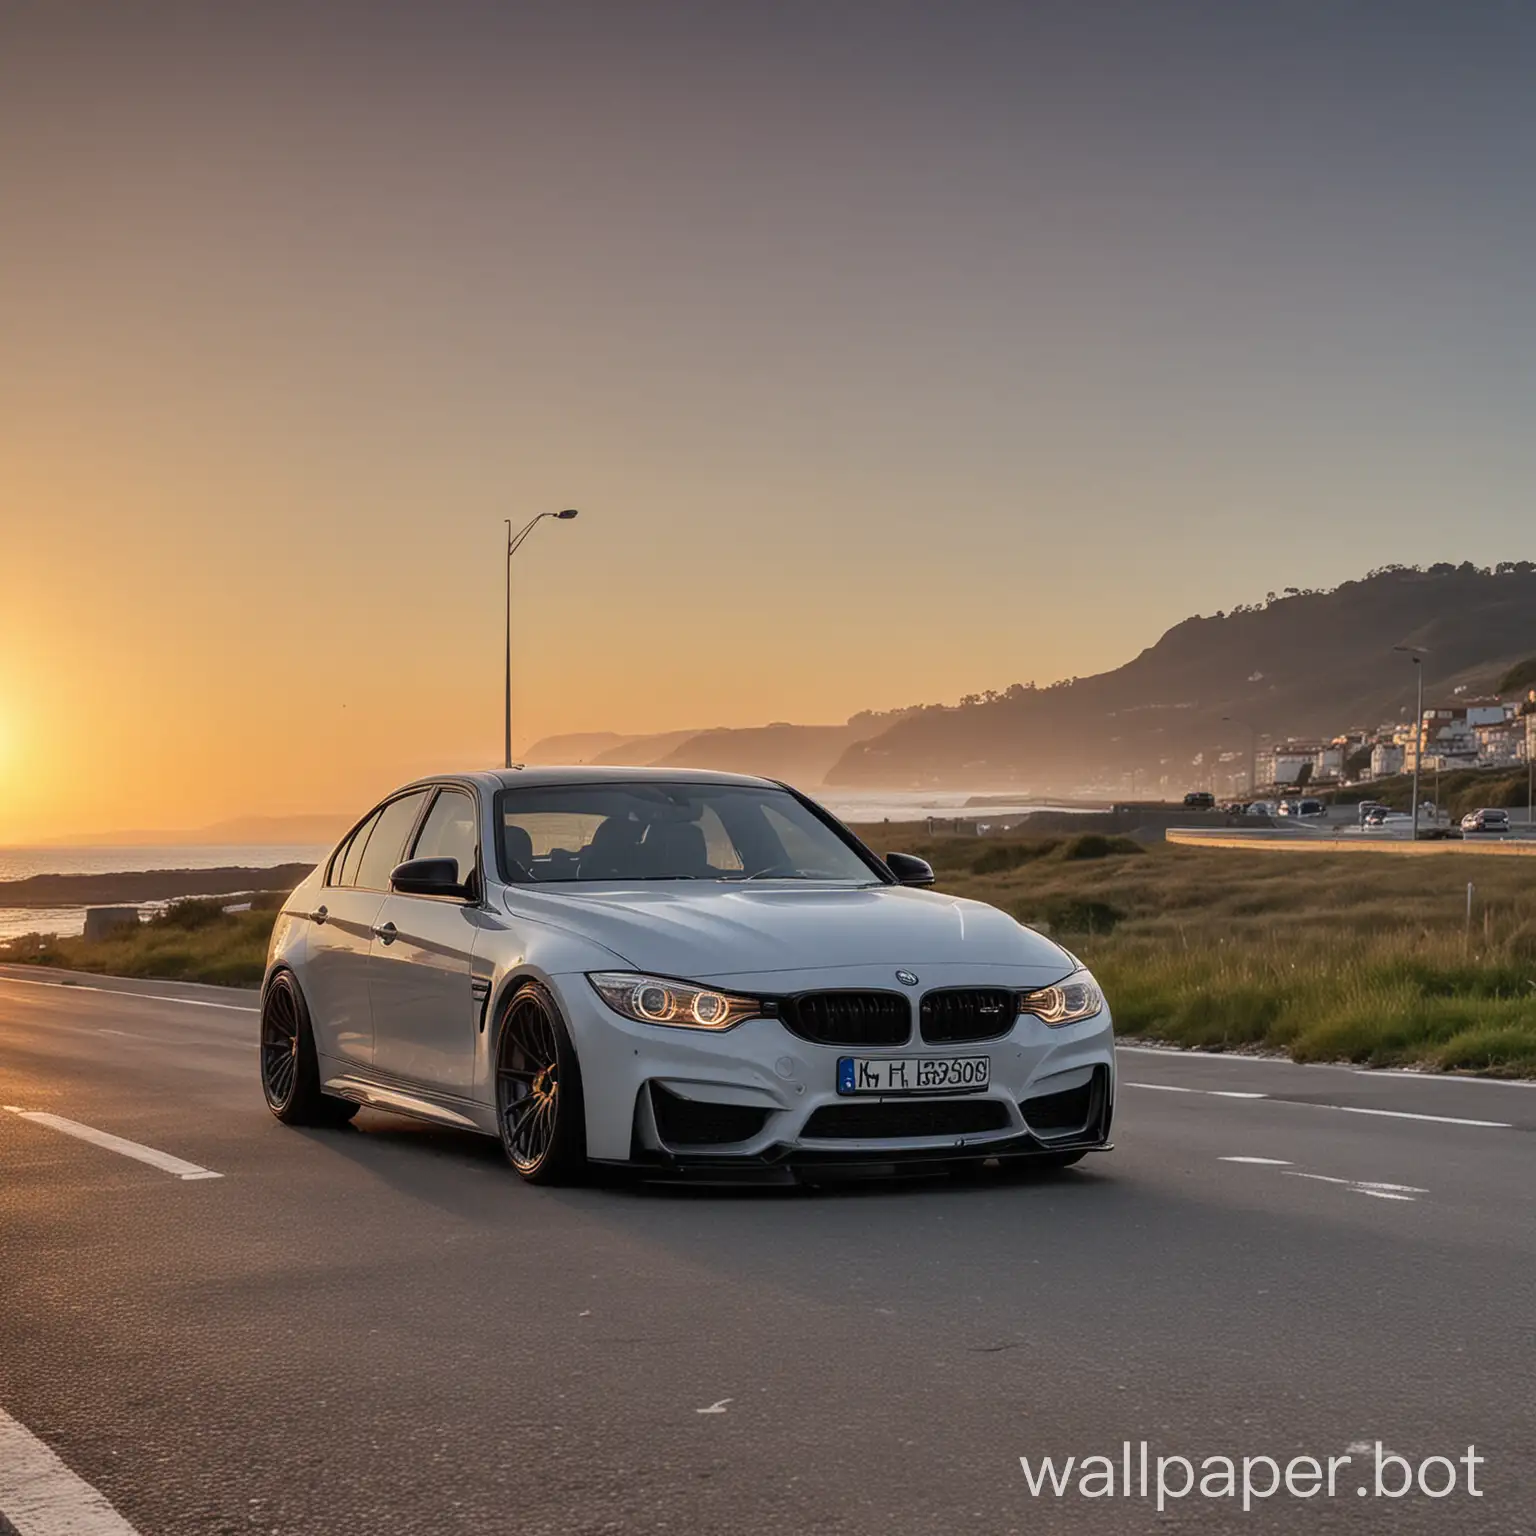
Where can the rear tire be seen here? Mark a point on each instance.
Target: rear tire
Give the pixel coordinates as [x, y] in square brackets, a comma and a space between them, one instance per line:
[539, 1107]
[290, 1069]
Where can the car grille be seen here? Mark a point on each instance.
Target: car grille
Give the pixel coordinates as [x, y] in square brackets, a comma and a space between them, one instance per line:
[848, 1018]
[967, 1013]
[871, 1122]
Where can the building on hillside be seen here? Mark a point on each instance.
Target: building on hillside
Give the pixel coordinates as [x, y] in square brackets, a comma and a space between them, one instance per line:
[1386, 758]
[1292, 762]
[1480, 733]
[1501, 745]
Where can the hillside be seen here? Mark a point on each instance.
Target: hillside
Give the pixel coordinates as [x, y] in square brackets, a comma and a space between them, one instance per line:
[1300, 664]
[576, 747]
[802, 754]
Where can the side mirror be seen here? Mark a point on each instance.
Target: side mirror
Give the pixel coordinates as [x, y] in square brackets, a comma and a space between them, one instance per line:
[909, 869]
[428, 877]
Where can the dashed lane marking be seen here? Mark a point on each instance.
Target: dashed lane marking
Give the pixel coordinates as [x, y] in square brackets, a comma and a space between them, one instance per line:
[40, 1496]
[123, 1147]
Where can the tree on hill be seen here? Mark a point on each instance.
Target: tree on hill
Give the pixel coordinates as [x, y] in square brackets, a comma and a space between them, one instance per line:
[1519, 677]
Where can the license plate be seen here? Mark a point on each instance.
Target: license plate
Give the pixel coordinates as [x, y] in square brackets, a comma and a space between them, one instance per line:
[912, 1074]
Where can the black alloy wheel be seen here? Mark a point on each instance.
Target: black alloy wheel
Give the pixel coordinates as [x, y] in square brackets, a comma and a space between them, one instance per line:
[539, 1107]
[290, 1071]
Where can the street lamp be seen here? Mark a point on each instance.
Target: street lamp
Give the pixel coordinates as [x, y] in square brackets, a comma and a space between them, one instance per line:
[1417, 657]
[514, 543]
[1253, 752]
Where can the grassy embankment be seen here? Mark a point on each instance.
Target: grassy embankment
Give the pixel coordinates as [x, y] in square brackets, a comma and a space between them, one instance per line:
[1459, 790]
[1328, 958]
[1335, 957]
[193, 940]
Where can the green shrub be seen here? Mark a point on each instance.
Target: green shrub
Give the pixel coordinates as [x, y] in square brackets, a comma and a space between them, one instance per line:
[193, 913]
[1076, 915]
[1001, 857]
[1096, 845]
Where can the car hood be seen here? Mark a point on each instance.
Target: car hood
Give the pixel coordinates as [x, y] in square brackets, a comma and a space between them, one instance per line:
[683, 929]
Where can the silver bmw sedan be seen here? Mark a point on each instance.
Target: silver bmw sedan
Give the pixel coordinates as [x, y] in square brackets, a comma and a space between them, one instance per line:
[686, 971]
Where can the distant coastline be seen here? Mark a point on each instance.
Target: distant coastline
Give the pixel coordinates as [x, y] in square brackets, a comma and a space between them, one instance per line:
[132, 887]
[47, 890]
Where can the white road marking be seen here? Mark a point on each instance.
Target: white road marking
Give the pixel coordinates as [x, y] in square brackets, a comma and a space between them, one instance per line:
[40, 1496]
[1434, 1077]
[1243, 1058]
[716, 1407]
[161, 1160]
[148, 997]
[1343, 1109]
[1406, 1192]
[1403, 1114]
[1270, 1162]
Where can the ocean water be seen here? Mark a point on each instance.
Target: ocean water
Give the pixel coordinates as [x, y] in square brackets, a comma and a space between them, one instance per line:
[868, 805]
[19, 863]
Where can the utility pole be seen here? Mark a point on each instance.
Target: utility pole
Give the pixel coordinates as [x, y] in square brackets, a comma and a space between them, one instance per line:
[1413, 653]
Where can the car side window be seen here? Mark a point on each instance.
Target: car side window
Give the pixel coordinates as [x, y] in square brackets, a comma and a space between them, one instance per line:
[333, 869]
[450, 831]
[386, 842]
[347, 870]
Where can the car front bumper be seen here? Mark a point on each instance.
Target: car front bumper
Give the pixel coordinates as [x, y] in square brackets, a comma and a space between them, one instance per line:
[750, 1097]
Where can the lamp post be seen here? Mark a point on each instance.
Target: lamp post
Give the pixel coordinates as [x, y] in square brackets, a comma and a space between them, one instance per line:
[1253, 752]
[1417, 657]
[514, 542]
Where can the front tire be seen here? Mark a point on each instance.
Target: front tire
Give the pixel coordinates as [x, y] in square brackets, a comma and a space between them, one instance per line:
[539, 1107]
[290, 1069]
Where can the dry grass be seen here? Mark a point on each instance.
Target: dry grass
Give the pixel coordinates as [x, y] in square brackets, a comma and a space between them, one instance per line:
[191, 941]
[1349, 957]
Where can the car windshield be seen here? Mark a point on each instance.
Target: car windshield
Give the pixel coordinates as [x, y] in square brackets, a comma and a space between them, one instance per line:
[670, 831]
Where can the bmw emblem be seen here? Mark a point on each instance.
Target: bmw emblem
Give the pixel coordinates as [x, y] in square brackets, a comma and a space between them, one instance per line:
[906, 978]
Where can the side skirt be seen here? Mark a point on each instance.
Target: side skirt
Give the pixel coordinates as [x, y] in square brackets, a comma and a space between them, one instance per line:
[419, 1103]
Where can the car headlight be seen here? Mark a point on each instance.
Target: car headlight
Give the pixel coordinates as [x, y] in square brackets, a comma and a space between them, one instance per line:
[1068, 1002]
[658, 1000]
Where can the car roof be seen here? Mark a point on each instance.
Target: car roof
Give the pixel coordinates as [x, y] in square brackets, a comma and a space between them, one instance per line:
[586, 773]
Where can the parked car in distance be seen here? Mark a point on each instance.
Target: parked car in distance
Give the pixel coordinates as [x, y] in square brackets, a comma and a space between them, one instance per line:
[1302, 808]
[1261, 808]
[1365, 810]
[1377, 816]
[1485, 820]
[1199, 800]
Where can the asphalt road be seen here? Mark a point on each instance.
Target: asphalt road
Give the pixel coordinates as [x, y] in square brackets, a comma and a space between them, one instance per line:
[382, 1330]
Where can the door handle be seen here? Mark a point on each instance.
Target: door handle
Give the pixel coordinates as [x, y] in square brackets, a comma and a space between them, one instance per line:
[386, 934]
[320, 914]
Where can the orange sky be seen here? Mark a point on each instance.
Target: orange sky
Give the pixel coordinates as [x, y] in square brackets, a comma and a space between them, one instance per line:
[886, 361]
